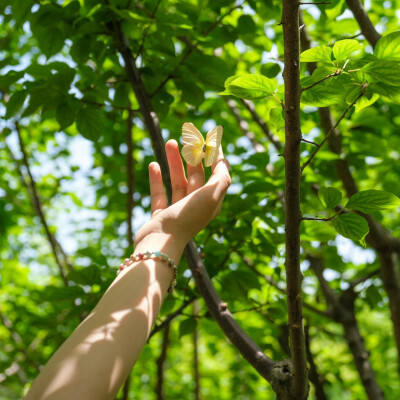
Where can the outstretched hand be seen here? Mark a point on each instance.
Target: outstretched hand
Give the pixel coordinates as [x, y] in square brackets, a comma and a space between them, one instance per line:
[194, 202]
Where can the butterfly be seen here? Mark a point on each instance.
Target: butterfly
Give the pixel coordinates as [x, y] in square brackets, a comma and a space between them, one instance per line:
[195, 147]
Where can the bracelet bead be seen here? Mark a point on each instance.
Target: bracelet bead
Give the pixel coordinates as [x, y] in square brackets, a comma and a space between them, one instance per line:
[156, 255]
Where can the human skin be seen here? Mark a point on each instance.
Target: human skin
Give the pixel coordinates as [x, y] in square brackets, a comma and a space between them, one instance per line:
[96, 359]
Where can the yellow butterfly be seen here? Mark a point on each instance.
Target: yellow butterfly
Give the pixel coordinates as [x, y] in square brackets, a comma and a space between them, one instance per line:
[195, 147]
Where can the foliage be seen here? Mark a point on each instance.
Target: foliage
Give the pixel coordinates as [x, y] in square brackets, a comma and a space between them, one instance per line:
[65, 91]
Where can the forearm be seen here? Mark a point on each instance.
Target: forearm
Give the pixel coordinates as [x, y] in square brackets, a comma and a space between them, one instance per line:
[96, 359]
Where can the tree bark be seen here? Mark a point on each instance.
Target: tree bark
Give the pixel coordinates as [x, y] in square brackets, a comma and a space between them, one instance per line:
[291, 75]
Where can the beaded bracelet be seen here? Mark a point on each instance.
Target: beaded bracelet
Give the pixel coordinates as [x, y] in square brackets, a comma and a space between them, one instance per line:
[157, 255]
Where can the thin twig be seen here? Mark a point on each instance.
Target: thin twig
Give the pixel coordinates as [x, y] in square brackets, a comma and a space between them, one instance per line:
[308, 141]
[39, 209]
[337, 73]
[313, 4]
[144, 37]
[364, 278]
[363, 89]
[170, 317]
[244, 126]
[192, 46]
[95, 103]
[263, 125]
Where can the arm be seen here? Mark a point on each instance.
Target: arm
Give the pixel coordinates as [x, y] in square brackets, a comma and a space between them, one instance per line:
[95, 360]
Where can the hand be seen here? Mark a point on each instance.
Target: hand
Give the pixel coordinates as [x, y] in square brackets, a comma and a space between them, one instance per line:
[194, 203]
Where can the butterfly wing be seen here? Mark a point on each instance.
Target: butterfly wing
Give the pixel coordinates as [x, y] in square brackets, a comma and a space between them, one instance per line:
[193, 143]
[213, 142]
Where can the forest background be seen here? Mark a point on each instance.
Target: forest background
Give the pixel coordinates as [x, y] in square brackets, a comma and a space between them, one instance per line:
[91, 90]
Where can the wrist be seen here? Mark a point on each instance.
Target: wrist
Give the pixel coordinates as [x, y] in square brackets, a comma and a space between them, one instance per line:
[163, 242]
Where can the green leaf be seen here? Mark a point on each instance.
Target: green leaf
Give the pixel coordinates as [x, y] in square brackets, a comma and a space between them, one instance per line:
[317, 54]
[277, 118]
[369, 201]
[65, 115]
[384, 71]
[365, 102]
[10, 77]
[246, 24]
[323, 95]
[330, 197]
[270, 70]
[85, 276]
[191, 93]
[15, 103]
[388, 47]
[80, 50]
[51, 41]
[89, 124]
[187, 326]
[121, 96]
[318, 231]
[351, 226]
[250, 86]
[343, 49]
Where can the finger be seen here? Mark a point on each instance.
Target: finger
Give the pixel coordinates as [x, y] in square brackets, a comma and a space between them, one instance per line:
[178, 178]
[195, 177]
[158, 197]
[220, 177]
[219, 158]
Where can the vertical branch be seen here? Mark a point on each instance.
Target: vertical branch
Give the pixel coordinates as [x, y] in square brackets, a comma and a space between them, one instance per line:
[149, 116]
[39, 209]
[130, 171]
[343, 311]
[130, 176]
[367, 29]
[161, 364]
[291, 75]
[245, 345]
[196, 354]
[315, 378]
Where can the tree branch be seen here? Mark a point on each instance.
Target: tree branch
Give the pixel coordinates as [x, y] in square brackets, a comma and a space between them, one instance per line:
[196, 370]
[144, 37]
[291, 76]
[130, 167]
[161, 364]
[362, 92]
[130, 170]
[239, 338]
[273, 283]
[337, 73]
[219, 310]
[343, 310]
[39, 209]
[262, 124]
[367, 29]
[244, 126]
[149, 116]
[315, 377]
[170, 317]
[192, 46]
[386, 246]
